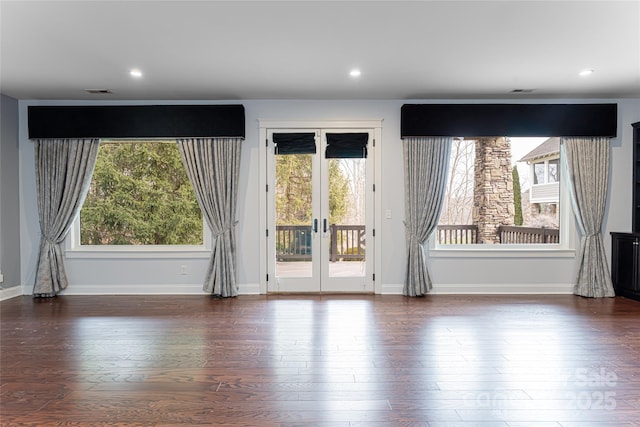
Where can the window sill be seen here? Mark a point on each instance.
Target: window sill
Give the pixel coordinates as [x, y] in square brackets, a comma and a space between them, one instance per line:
[139, 252]
[505, 251]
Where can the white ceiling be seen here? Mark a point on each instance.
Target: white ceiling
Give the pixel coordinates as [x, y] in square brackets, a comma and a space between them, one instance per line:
[208, 50]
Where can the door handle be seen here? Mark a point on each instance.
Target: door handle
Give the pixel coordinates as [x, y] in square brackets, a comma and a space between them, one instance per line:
[315, 225]
[324, 226]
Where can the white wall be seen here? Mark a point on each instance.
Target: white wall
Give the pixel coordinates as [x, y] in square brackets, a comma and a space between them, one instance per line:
[466, 274]
[9, 194]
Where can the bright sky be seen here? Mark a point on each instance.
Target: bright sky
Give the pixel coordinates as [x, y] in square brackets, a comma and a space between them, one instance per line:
[522, 146]
[519, 148]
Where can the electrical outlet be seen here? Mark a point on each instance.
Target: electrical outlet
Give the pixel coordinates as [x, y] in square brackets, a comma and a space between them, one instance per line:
[388, 214]
[183, 270]
[1, 277]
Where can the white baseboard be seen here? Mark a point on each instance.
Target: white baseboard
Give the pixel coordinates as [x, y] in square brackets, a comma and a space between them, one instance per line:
[166, 289]
[487, 289]
[249, 289]
[391, 289]
[254, 289]
[124, 289]
[12, 292]
[503, 288]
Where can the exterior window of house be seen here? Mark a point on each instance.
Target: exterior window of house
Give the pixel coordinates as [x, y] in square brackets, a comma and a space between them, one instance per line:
[539, 173]
[554, 171]
[140, 196]
[500, 191]
[546, 171]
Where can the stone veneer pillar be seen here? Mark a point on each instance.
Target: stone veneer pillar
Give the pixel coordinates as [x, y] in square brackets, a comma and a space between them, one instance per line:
[493, 189]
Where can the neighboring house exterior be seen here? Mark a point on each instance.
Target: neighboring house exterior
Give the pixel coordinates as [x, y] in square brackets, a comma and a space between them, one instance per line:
[544, 192]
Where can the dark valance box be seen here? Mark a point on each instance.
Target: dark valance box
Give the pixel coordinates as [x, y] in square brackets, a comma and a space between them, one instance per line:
[136, 121]
[509, 120]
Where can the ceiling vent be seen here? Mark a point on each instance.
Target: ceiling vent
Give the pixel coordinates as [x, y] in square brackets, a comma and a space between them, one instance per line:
[98, 91]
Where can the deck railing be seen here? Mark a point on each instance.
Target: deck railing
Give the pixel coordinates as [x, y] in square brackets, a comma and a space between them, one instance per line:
[457, 234]
[468, 234]
[347, 242]
[293, 242]
[515, 234]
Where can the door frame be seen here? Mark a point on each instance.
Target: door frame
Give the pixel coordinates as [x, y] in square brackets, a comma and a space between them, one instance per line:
[375, 126]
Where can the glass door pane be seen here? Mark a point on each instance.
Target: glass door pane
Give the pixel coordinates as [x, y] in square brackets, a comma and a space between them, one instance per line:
[347, 219]
[320, 211]
[293, 216]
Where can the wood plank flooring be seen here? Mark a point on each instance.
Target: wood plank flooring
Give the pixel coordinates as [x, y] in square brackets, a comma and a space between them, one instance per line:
[316, 360]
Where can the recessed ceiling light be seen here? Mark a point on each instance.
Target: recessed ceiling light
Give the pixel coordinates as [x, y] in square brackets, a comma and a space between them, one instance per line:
[585, 73]
[354, 73]
[135, 73]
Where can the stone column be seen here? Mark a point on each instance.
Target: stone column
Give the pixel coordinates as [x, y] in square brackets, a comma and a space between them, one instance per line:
[493, 189]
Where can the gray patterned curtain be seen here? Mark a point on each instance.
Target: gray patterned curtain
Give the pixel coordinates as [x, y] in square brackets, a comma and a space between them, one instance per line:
[63, 175]
[213, 167]
[587, 163]
[426, 163]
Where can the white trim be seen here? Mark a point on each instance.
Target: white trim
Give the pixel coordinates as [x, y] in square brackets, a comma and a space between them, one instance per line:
[502, 288]
[319, 124]
[249, 289]
[487, 289]
[137, 289]
[12, 292]
[144, 252]
[565, 249]
[254, 289]
[390, 288]
[501, 251]
[73, 248]
[263, 213]
[377, 209]
[374, 125]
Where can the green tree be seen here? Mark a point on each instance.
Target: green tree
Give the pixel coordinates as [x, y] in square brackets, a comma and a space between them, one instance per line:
[294, 190]
[339, 201]
[517, 197]
[140, 195]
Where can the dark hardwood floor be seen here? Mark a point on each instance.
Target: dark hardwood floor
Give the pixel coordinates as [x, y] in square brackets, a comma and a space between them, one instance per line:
[320, 361]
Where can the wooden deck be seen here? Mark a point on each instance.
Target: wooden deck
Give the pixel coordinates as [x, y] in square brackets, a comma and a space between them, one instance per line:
[309, 360]
[336, 269]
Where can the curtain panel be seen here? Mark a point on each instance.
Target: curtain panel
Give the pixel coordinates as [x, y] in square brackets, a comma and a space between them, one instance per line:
[63, 174]
[587, 163]
[426, 164]
[213, 167]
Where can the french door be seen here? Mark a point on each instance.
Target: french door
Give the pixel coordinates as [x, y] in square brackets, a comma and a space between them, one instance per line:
[320, 210]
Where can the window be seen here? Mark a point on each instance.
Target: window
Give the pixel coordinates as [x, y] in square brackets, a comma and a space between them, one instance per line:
[501, 190]
[554, 172]
[539, 173]
[546, 171]
[140, 195]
